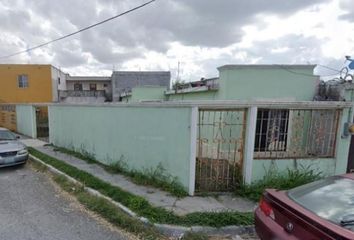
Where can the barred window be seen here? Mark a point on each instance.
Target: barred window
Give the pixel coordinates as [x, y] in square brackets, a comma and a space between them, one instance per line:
[93, 86]
[77, 87]
[271, 130]
[296, 133]
[22, 81]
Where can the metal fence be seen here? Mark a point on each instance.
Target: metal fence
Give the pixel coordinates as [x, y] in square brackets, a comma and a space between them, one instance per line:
[307, 133]
[81, 93]
[220, 145]
[42, 122]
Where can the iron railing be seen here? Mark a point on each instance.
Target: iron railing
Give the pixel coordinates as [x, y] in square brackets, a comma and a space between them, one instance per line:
[284, 133]
[81, 93]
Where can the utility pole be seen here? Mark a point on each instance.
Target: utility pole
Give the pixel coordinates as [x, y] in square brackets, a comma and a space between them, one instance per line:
[178, 68]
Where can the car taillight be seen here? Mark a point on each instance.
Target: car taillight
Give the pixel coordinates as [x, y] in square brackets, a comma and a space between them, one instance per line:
[266, 208]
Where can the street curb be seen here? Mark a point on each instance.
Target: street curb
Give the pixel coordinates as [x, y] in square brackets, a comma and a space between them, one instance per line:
[166, 229]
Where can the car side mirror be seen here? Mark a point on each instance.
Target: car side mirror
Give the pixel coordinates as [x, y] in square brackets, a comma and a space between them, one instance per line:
[18, 137]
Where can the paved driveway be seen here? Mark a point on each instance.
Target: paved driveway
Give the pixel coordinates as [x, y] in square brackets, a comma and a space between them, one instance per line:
[31, 208]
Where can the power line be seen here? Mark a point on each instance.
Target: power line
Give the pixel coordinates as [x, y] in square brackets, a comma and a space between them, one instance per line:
[294, 72]
[78, 31]
[330, 68]
[303, 74]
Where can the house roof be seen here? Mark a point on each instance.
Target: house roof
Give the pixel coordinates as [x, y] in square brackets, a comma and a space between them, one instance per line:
[88, 78]
[124, 81]
[140, 72]
[267, 66]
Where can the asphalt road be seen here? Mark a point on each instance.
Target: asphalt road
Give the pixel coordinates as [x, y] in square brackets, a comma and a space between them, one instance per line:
[32, 208]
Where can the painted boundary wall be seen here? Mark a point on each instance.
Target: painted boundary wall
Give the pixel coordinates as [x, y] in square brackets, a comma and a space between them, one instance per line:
[26, 120]
[141, 137]
[148, 93]
[144, 135]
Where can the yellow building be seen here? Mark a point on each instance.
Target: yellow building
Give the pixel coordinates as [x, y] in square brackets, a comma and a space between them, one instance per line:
[30, 83]
[27, 83]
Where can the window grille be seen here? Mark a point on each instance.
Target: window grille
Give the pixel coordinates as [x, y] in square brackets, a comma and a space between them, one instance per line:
[293, 133]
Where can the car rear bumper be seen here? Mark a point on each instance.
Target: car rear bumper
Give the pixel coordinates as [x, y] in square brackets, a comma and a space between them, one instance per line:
[12, 161]
[268, 229]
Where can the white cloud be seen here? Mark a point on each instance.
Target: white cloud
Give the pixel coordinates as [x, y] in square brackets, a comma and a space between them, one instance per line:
[199, 34]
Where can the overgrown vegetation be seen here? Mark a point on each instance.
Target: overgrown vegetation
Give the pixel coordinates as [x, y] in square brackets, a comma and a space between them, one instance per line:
[141, 206]
[84, 155]
[195, 236]
[279, 180]
[177, 84]
[156, 177]
[107, 210]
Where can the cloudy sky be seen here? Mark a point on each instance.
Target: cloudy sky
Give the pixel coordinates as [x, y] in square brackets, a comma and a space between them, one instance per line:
[200, 34]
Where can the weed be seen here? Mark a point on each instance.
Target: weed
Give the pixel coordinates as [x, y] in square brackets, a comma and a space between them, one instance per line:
[194, 236]
[141, 206]
[83, 154]
[156, 177]
[279, 180]
[119, 166]
[107, 210]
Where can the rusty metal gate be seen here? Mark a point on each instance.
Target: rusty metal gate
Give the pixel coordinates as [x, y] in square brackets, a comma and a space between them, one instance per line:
[42, 122]
[220, 147]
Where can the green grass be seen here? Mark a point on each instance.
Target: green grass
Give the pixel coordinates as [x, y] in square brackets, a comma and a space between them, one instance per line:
[156, 177]
[84, 156]
[107, 210]
[141, 206]
[195, 236]
[288, 179]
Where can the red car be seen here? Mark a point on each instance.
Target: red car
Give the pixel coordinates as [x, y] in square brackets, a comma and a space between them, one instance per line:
[320, 210]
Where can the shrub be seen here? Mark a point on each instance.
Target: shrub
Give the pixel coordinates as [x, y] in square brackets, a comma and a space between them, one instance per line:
[288, 179]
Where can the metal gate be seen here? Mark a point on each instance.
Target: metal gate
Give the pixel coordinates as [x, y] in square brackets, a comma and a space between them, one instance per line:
[220, 145]
[42, 123]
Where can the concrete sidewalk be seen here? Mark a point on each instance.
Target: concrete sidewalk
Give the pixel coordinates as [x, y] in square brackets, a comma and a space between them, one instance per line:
[155, 196]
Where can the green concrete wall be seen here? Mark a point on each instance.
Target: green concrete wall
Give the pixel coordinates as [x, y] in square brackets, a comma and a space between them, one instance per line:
[26, 120]
[148, 93]
[248, 83]
[257, 82]
[206, 95]
[327, 166]
[142, 137]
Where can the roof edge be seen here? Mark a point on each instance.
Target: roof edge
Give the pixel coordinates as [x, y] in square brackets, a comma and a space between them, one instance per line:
[267, 66]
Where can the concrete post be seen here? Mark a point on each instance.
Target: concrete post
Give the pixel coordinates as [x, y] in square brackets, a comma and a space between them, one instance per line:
[249, 144]
[33, 122]
[193, 149]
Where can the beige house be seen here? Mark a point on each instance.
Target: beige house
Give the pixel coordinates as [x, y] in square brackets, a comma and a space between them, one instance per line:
[87, 89]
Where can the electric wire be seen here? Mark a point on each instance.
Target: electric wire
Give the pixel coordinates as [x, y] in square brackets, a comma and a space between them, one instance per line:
[329, 68]
[78, 31]
[299, 73]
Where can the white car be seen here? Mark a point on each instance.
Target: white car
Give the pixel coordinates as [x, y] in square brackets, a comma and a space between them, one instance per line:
[12, 151]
